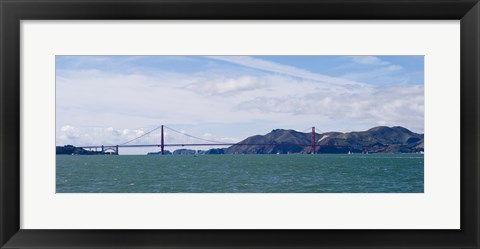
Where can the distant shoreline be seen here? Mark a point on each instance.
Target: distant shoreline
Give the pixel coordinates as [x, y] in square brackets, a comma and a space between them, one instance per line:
[379, 140]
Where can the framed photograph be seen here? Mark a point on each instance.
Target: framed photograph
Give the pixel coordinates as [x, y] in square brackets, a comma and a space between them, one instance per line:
[226, 119]
[239, 124]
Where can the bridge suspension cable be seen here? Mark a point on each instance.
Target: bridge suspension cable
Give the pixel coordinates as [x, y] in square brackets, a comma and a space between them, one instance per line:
[184, 134]
[195, 137]
[307, 130]
[313, 143]
[141, 136]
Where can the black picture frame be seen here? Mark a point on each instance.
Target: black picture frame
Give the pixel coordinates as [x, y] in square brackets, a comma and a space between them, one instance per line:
[13, 11]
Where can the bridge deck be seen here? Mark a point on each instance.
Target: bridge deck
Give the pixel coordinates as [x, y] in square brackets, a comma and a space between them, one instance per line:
[183, 145]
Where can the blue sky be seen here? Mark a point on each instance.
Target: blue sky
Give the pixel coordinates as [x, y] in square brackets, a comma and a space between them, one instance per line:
[110, 99]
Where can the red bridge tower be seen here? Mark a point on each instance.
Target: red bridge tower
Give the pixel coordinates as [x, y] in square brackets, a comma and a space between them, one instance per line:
[313, 140]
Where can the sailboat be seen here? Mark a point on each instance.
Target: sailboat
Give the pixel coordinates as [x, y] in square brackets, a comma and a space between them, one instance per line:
[196, 153]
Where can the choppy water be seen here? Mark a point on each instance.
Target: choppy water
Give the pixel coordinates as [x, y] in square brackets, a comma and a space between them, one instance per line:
[373, 173]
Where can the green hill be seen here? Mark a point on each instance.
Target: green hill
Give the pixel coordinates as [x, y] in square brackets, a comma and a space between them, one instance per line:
[380, 139]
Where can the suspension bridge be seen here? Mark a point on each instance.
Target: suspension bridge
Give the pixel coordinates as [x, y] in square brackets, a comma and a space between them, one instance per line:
[140, 141]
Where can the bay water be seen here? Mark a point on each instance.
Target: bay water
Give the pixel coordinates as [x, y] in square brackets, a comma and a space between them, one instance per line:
[258, 173]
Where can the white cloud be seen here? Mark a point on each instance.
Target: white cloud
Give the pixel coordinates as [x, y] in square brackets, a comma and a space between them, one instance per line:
[225, 86]
[375, 74]
[68, 129]
[397, 105]
[269, 66]
[69, 133]
[368, 60]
